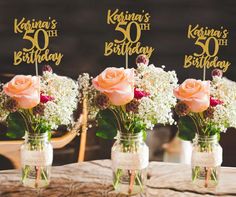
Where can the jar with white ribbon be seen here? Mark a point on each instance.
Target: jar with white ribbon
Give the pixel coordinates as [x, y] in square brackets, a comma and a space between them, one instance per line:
[206, 161]
[36, 160]
[130, 158]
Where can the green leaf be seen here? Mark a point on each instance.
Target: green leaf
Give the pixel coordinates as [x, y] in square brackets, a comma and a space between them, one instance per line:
[107, 124]
[187, 128]
[144, 135]
[218, 136]
[139, 126]
[15, 125]
[42, 126]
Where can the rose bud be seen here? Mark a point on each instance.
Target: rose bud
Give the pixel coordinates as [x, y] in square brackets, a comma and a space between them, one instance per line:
[217, 73]
[142, 59]
[132, 106]
[11, 105]
[39, 109]
[182, 109]
[102, 101]
[209, 113]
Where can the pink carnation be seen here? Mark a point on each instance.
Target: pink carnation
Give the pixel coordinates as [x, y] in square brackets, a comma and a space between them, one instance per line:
[45, 98]
[138, 94]
[214, 102]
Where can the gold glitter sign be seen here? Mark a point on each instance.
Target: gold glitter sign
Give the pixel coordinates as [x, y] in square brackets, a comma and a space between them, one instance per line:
[125, 23]
[208, 42]
[37, 35]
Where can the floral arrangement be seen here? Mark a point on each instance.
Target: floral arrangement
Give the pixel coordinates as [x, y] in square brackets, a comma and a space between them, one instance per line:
[206, 107]
[125, 103]
[37, 104]
[129, 100]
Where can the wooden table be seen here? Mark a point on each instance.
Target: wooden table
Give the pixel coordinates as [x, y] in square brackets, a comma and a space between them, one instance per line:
[94, 179]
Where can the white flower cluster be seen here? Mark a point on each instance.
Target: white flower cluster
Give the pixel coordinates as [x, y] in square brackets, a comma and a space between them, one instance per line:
[156, 108]
[88, 91]
[3, 112]
[223, 89]
[64, 90]
[224, 114]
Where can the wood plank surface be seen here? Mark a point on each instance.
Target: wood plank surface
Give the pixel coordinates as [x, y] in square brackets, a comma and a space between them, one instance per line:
[94, 179]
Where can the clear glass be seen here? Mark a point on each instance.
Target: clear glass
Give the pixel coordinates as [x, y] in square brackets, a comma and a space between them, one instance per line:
[36, 160]
[130, 158]
[206, 161]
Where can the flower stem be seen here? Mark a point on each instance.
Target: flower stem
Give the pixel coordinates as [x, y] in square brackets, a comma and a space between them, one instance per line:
[118, 174]
[195, 123]
[117, 119]
[139, 181]
[25, 120]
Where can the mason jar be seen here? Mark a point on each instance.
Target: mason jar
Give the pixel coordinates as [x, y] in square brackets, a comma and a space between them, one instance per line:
[130, 158]
[206, 161]
[36, 160]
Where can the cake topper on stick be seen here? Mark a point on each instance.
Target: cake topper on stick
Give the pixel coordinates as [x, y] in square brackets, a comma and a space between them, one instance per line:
[37, 34]
[208, 41]
[126, 44]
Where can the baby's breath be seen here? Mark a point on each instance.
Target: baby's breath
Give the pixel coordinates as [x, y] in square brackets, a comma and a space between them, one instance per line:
[156, 108]
[64, 90]
[3, 112]
[224, 114]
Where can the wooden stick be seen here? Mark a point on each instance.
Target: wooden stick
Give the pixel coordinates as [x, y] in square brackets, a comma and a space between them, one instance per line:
[131, 183]
[207, 176]
[204, 73]
[126, 60]
[84, 132]
[37, 176]
[36, 68]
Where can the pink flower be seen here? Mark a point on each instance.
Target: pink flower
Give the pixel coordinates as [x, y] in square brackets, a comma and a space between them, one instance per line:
[214, 102]
[117, 84]
[138, 94]
[45, 98]
[25, 90]
[194, 93]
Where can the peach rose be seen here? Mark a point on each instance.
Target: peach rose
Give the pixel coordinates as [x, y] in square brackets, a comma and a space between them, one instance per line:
[117, 84]
[25, 90]
[195, 93]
